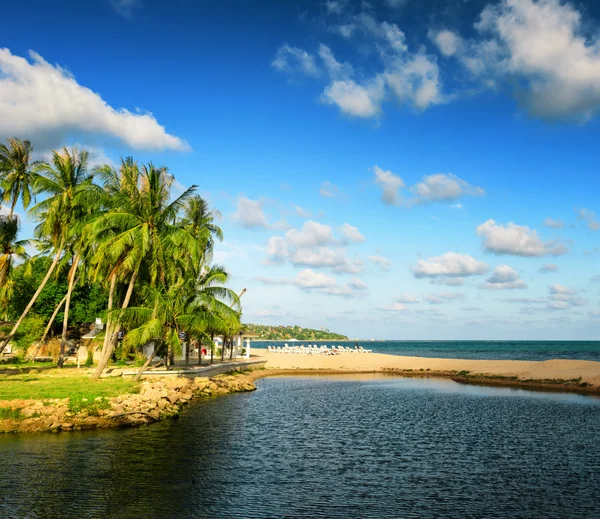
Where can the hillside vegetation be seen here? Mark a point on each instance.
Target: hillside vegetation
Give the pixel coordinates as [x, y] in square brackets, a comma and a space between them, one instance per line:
[282, 333]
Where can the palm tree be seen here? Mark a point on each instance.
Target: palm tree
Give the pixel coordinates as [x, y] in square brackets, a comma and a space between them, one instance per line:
[141, 232]
[10, 248]
[68, 186]
[16, 173]
[199, 220]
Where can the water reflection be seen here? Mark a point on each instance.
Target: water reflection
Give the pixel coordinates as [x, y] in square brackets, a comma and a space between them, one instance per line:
[324, 447]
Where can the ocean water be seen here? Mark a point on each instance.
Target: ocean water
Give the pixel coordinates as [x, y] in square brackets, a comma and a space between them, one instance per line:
[486, 350]
[324, 447]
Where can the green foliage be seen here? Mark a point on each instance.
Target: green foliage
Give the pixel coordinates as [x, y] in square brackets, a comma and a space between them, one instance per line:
[29, 332]
[7, 413]
[282, 333]
[79, 404]
[89, 362]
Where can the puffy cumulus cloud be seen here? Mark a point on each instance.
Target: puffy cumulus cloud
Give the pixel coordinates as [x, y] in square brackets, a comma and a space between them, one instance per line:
[450, 264]
[542, 46]
[564, 298]
[312, 281]
[29, 87]
[517, 240]
[548, 267]
[313, 245]
[293, 59]
[504, 277]
[408, 299]
[328, 190]
[449, 43]
[589, 217]
[390, 184]
[312, 234]
[443, 297]
[355, 99]
[554, 224]
[444, 187]
[250, 214]
[381, 262]
[439, 187]
[352, 234]
[408, 76]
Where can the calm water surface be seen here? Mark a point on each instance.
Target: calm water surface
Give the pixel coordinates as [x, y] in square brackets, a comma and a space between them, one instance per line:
[494, 350]
[324, 447]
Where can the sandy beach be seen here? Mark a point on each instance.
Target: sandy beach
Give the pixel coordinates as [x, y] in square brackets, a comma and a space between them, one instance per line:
[557, 369]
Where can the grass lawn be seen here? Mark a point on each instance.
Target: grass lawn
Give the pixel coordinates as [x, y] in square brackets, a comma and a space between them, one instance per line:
[76, 388]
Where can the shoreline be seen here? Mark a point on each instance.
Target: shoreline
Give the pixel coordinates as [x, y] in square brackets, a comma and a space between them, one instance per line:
[575, 376]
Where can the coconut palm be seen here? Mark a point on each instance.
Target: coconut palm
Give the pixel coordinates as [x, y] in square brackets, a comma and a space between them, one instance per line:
[16, 173]
[10, 249]
[68, 186]
[141, 232]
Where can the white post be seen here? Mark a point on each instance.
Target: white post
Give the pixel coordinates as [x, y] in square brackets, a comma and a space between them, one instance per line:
[247, 348]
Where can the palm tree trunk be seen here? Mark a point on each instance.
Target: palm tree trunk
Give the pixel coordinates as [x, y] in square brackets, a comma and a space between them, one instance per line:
[212, 347]
[47, 330]
[138, 375]
[223, 348]
[12, 207]
[63, 340]
[112, 337]
[107, 331]
[33, 300]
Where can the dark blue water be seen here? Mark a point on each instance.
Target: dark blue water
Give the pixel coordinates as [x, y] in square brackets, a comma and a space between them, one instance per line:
[487, 350]
[326, 448]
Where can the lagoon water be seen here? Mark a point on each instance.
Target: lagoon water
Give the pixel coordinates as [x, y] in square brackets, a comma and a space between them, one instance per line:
[339, 447]
[491, 350]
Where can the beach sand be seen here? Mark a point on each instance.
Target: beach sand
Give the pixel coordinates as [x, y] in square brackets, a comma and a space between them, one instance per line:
[557, 369]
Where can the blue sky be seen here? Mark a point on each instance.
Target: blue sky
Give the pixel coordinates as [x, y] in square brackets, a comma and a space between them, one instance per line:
[387, 169]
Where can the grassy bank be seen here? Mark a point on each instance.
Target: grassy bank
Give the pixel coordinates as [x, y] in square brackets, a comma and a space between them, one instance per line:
[26, 387]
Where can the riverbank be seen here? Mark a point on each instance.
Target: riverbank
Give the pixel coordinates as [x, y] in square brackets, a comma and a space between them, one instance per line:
[556, 375]
[155, 399]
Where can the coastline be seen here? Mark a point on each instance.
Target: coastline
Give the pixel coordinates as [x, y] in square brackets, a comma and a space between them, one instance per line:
[575, 376]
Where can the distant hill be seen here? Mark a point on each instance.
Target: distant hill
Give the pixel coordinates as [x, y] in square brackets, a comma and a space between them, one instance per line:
[283, 333]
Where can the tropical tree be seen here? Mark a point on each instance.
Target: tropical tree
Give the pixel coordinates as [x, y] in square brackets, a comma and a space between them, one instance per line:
[68, 186]
[141, 234]
[16, 173]
[10, 249]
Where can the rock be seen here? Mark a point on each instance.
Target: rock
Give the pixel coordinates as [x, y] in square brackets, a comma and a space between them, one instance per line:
[173, 397]
[162, 404]
[66, 425]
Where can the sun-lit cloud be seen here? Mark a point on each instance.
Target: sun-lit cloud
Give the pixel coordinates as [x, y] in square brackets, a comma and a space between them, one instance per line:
[450, 264]
[517, 240]
[29, 87]
[504, 277]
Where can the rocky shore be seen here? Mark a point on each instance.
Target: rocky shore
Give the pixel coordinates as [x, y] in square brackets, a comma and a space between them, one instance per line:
[158, 399]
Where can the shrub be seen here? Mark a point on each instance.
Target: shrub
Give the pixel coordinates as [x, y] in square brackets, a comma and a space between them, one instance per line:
[89, 362]
[30, 331]
[7, 413]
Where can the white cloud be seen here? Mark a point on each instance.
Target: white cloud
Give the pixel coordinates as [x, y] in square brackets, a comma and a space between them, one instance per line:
[590, 219]
[326, 257]
[546, 49]
[447, 41]
[443, 297]
[328, 190]
[564, 298]
[312, 281]
[125, 7]
[384, 263]
[554, 224]
[439, 187]
[548, 267]
[450, 264]
[354, 99]
[444, 187]
[518, 240]
[29, 88]
[335, 6]
[352, 234]
[525, 300]
[395, 307]
[448, 281]
[277, 250]
[293, 59]
[504, 277]
[396, 4]
[334, 68]
[250, 213]
[408, 299]
[302, 212]
[390, 184]
[312, 234]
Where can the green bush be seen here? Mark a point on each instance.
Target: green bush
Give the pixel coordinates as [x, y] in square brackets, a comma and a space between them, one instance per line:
[30, 331]
[89, 362]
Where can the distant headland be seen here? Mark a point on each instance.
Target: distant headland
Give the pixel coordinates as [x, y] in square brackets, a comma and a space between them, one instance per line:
[285, 333]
